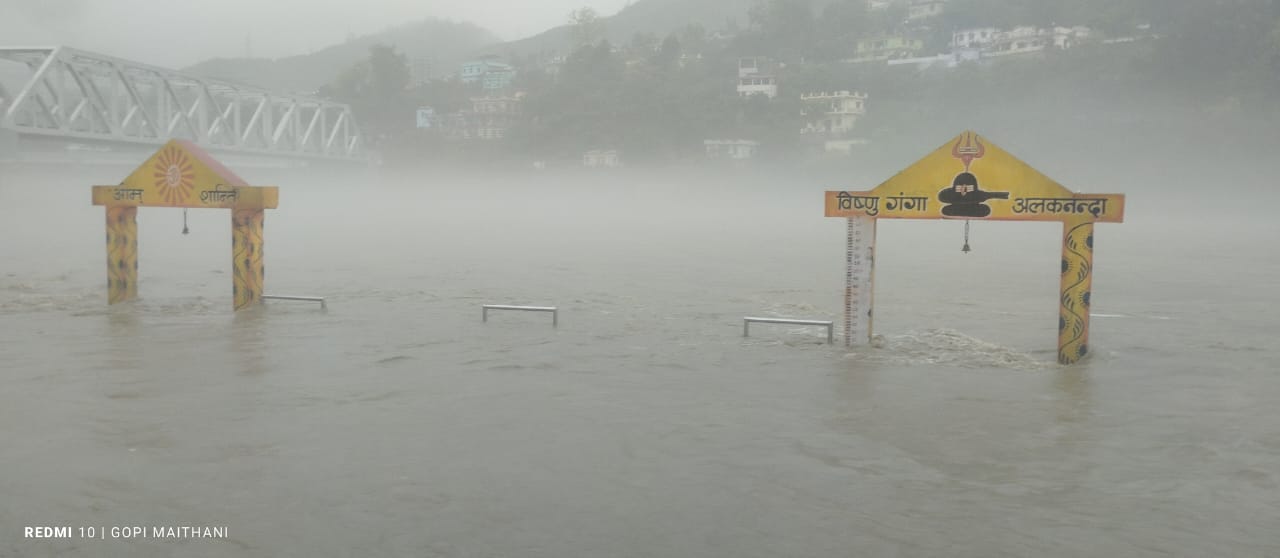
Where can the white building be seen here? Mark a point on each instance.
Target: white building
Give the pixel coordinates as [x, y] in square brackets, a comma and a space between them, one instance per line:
[844, 146]
[1027, 40]
[973, 38]
[757, 76]
[831, 117]
[924, 9]
[754, 65]
[601, 158]
[758, 85]
[1020, 40]
[1068, 37]
[737, 150]
[832, 114]
[491, 116]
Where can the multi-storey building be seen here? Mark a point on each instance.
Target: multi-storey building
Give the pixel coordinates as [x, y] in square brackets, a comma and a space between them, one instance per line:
[830, 118]
[893, 47]
[832, 114]
[977, 37]
[491, 116]
[492, 75]
[757, 76]
[924, 9]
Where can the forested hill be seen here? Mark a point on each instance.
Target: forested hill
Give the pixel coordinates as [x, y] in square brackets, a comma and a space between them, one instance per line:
[659, 78]
[656, 17]
[441, 44]
[1189, 61]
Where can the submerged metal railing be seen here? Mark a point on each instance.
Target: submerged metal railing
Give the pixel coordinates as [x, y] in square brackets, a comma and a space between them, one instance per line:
[746, 325]
[301, 298]
[555, 312]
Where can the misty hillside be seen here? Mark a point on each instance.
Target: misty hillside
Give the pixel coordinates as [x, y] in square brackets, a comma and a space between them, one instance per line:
[442, 44]
[644, 16]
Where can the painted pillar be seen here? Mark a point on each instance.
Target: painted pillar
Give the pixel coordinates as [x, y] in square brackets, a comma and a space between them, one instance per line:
[246, 257]
[848, 282]
[1077, 287]
[122, 254]
[859, 274]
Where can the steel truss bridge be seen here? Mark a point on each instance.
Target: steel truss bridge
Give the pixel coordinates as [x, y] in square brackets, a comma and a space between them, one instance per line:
[79, 105]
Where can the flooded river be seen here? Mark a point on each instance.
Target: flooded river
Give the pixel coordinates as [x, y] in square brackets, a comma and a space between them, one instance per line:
[396, 423]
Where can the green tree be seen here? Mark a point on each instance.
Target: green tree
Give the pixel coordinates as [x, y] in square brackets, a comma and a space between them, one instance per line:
[580, 111]
[838, 29]
[445, 96]
[894, 17]
[693, 38]
[786, 26]
[377, 90]
[1215, 59]
[642, 45]
[669, 54]
[586, 27]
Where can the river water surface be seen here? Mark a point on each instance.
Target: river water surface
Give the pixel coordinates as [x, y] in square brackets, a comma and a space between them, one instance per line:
[396, 423]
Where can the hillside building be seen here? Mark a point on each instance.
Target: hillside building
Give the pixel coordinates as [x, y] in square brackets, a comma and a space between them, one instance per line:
[757, 76]
[492, 74]
[832, 114]
[978, 37]
[735, 150]
[1030, 40]
[918, 10]
[602, 158]
[880, 49]
[831, 117]
[491, 117]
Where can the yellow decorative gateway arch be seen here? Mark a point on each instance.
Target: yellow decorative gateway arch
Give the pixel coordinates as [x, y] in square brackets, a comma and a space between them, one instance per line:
[969, 178]
[181, 174]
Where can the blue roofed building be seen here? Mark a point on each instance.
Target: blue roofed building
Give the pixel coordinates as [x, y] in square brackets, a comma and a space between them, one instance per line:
[492, 74]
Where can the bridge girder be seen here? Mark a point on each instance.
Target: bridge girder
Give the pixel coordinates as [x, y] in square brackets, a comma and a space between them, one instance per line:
[79, 95]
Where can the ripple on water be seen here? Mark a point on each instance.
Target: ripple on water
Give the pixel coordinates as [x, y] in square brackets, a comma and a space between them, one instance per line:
[950, 348]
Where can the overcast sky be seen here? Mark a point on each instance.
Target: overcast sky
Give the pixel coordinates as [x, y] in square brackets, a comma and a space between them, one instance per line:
[176, 33]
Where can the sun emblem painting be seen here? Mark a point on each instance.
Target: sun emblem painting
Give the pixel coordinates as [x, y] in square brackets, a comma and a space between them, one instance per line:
[175, 175]
[182, 174]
